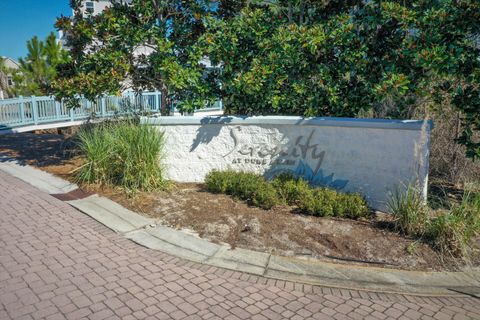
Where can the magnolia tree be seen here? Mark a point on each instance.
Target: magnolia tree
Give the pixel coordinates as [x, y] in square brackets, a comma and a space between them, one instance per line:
[148, 44]
[300, 57]
[393, 59]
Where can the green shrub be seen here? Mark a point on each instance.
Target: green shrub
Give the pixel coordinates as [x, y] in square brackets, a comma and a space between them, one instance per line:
[265, 196]
[327, 202]
[243, 185]
[289, 188]
[351, 206]
[220, 181]
[409, 210]
[246, 185]
[122, 153]
[318, 202]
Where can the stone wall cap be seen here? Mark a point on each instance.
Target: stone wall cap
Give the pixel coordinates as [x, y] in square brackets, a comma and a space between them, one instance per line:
[290, 120]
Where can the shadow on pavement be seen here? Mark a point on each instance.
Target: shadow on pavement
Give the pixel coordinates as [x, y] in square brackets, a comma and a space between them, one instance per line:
[40, 149]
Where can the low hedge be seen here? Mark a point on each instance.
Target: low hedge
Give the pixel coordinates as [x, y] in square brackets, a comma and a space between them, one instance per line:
[245, 186]
[286, 189]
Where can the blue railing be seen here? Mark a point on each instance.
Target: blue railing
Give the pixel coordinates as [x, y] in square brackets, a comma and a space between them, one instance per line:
[23, 111]
[34, 110]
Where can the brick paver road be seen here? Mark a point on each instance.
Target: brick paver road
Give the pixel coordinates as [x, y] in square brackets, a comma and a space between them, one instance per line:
[57, 263]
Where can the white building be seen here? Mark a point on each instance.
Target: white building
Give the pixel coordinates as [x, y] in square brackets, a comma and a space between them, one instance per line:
[96, 7]
[92, 8]
[6, 78]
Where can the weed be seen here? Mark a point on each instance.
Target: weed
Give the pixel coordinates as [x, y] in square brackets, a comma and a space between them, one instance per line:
[412, 248]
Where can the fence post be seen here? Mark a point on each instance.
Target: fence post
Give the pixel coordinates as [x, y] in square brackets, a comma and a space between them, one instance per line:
[70, 110]
[57, 109]
[35, 110]
[22, 110]
[103, 106]
[157, 105]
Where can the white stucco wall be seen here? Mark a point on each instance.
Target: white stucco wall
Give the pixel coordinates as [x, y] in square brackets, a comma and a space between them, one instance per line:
[368, 156]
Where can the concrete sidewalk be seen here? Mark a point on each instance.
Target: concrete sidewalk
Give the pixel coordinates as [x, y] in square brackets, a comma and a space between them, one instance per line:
[57, 263]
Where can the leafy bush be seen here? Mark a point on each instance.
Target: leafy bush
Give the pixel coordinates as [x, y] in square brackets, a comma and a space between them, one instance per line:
[246, 184]
[122, 153]
[289, 190]
[220, 181]
[265, 196]
[351, 206]
[242, 185]
[409, 209]
[327, 202]
[318, 202]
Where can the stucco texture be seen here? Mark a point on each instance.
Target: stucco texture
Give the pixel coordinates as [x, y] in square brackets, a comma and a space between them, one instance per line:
[371, 160]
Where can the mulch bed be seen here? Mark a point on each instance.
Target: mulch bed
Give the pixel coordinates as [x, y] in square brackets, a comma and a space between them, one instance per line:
[221, 219]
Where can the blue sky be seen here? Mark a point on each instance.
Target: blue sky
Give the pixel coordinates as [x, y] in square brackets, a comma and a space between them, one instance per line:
[20, 20]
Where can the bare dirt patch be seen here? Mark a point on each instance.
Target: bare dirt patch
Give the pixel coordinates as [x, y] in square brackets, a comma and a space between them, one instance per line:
[222, 219]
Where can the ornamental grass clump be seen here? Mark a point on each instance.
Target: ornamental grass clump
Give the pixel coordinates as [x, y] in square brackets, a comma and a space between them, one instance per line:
[121, 153]
[452, 232]
[410, 211]
[96, 145]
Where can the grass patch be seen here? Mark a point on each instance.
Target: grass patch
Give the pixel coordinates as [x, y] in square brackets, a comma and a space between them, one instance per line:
[450, 231]
[453, 231]
[121, 153]
[285, 189]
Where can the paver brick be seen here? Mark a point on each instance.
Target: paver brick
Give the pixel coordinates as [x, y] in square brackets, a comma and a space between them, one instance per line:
[58, 263]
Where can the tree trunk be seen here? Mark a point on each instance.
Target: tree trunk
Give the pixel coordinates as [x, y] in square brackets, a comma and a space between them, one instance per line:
[165, 108]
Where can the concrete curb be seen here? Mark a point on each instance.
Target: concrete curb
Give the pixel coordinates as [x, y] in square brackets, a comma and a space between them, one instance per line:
[40, 179]
[148, 233]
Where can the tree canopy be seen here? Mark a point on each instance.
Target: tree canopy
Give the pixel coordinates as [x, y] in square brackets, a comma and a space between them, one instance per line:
[395, 59]
[148, 44]
[39, 68]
